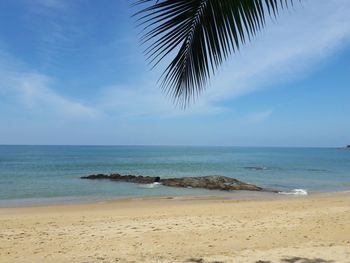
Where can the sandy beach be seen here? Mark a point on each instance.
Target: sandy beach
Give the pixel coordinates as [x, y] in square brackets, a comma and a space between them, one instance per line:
[312, 229]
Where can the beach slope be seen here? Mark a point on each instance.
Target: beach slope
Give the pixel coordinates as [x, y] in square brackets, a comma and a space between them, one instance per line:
[305, 229]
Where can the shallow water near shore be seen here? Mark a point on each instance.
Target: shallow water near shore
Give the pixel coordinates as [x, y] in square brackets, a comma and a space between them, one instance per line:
[50, 174]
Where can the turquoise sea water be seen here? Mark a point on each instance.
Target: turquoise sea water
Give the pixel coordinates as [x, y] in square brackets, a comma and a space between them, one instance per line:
[35, 174]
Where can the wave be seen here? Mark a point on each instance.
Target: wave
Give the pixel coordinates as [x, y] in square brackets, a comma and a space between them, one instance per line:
[150, 186]
[256, 168]
[295, 192]
[317, 170]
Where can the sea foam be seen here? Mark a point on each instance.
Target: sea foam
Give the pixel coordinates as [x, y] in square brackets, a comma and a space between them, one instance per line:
[295, 192]
[153, 185]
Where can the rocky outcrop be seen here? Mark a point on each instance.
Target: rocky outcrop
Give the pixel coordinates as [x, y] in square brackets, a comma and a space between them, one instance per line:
[124, 178]
[211, 182]
[206, 182]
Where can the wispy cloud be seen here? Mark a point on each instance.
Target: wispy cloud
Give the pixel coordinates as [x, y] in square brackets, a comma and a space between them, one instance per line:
[52, 4]
[259, 117]
[146, 100]
[53, 26]
[34, 91]
[287, 49]
[71, 69]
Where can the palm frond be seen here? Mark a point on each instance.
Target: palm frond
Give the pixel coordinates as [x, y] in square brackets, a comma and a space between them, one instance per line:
[203, 33]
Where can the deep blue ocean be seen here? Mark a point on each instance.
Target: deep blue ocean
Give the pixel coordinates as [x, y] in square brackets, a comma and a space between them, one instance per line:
[39, 174]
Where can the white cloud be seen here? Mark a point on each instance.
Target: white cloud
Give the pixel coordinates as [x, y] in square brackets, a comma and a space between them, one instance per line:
[35, 91]
[286, 49]
[146, 100]
[259, 117]
[51, 4]
[53, 25]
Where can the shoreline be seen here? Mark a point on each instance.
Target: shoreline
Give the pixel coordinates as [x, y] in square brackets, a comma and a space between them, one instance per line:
[81, 200]
[200, 229]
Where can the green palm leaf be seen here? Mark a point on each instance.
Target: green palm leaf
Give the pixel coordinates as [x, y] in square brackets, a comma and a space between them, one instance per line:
[203, 33]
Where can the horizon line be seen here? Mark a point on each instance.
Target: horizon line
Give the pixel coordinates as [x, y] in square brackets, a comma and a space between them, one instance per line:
[172, 145]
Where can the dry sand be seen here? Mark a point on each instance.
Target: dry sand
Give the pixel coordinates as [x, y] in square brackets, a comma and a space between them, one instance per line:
[314, 229]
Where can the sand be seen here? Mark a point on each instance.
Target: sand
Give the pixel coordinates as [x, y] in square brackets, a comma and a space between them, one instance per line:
[313, 229]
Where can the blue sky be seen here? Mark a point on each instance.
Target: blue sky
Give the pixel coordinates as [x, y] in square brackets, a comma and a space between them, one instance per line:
[72, 72]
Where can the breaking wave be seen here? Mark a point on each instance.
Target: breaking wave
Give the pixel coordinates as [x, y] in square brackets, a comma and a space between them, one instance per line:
[148, 186]
[256, 168]
[295, 192]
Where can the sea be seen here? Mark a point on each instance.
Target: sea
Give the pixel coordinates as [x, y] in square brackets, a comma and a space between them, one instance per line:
[40, 175]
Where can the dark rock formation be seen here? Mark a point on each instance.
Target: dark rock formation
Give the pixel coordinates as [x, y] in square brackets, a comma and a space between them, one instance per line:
[205, 182]
[210, 182]
[347, 146]
[124, 178]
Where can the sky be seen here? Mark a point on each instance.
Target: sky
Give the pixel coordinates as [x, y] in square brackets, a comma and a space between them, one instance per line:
[73, 73]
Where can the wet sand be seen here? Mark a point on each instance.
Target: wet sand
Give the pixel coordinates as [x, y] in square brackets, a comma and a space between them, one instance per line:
[312, 229]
